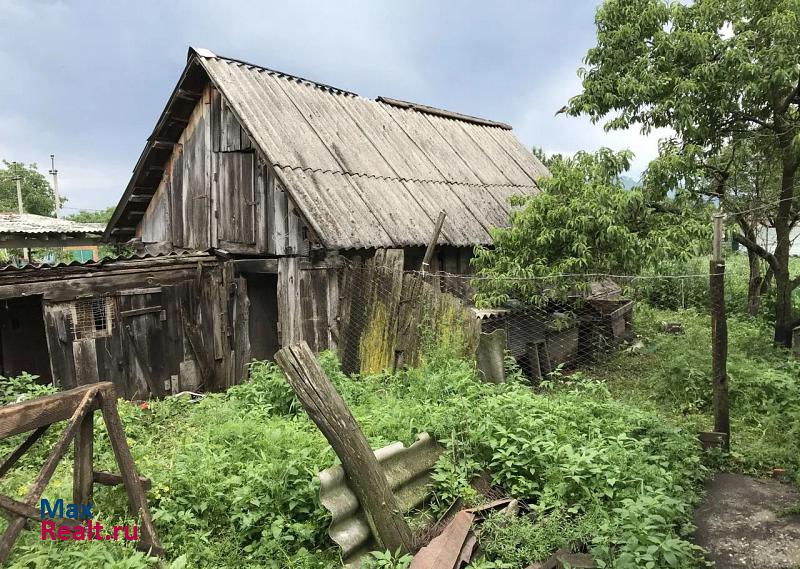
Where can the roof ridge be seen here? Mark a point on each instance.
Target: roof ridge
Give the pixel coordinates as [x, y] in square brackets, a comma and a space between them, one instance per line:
[310, 82]
[438, 112]
[398, 103]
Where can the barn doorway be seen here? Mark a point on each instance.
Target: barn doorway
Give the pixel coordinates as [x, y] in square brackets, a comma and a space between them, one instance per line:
[23, 343]
[262, 291]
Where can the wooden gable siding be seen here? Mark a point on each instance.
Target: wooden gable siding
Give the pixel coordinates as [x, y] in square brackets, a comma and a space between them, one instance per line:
[219, 191]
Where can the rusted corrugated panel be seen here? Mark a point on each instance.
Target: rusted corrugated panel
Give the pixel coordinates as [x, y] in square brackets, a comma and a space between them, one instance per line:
[408, 471]
[375, 174]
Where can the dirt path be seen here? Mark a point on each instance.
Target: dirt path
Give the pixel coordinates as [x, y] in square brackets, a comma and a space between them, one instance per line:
[741, 526]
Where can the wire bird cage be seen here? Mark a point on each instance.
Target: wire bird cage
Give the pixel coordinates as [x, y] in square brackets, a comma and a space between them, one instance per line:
[92, 317]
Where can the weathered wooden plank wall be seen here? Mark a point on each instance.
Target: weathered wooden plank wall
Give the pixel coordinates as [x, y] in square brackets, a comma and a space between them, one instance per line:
[308, 303]
[184, 335]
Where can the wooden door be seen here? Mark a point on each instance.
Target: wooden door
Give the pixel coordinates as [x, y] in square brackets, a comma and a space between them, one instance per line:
[237, 198]
[145, 341]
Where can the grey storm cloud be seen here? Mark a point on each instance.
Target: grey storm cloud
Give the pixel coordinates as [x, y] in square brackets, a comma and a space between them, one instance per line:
[87, 80]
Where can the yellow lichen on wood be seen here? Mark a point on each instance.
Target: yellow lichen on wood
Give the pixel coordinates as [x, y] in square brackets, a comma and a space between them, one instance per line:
[374, 348]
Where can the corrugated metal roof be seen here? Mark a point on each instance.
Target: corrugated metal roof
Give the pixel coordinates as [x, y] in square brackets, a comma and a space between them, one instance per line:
[375, 173]
[106, 261]
[30, 224]
[363, 173]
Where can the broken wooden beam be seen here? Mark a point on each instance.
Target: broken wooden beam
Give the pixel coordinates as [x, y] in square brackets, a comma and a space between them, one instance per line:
[112, 479]
[329, 412]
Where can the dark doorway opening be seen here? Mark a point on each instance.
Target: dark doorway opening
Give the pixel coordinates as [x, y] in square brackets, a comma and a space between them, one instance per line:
[262, 290]
[23, 343]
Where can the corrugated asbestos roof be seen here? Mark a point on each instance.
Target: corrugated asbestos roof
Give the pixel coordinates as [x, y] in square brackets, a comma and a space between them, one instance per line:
[30, 224]
[365, 173]
[111, 261]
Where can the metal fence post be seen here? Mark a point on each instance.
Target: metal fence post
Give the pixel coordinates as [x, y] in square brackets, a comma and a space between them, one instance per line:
[719, 335]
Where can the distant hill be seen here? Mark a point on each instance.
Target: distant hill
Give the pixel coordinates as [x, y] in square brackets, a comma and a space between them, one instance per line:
[629, 182]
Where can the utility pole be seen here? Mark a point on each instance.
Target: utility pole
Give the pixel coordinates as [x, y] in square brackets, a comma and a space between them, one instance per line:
[26, 254]
[54, 173]
[719, 335]
[18, 179]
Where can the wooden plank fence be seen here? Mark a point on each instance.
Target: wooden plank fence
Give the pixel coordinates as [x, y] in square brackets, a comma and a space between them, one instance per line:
[387, 315]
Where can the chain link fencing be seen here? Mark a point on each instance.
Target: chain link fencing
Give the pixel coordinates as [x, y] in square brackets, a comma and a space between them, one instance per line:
[389, 317]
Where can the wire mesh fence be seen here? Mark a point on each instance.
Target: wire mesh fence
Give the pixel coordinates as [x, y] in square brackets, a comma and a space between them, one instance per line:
[390, 316]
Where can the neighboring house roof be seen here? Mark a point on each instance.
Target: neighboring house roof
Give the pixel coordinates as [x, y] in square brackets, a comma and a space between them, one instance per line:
[17, 229]
[363, 173]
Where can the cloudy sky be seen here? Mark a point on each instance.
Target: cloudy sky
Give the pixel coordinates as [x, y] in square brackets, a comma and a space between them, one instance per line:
[87, 80]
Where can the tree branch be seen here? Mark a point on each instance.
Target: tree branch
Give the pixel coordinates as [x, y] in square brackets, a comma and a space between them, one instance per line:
[758, 250]
[792, 97]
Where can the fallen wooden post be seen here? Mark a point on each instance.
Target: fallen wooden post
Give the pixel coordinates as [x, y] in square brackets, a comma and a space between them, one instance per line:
[329, 412]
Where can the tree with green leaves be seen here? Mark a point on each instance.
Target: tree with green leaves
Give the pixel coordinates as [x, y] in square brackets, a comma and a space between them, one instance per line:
[88, 216]
[719, 74]
[37, 195]
[584, 222]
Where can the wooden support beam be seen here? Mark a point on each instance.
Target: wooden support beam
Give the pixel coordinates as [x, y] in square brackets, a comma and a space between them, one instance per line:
[437, 229]
[78, 405]
[162, 144]
[140, 199]
[83, 471]
[137, 499]
[19, 508]
[16, 525]
[13, 458]
[188, 95]
[329, 412]
[29, 415]
[112, 479]
[258, 266]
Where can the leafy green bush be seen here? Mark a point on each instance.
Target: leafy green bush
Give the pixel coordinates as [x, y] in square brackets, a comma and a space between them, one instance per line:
[233, 474]
[26, 386]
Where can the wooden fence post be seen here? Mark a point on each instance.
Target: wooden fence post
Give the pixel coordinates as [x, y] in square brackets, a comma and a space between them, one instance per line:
[329, 412]
[719, 335]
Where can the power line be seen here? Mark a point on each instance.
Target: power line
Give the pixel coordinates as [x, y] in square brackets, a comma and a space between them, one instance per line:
[765, 206]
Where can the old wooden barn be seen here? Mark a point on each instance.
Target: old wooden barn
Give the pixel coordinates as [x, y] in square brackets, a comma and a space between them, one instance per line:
[250, 192]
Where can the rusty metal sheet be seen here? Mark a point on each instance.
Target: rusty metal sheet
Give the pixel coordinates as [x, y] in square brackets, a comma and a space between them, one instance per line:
[445, 550]
[408, 471]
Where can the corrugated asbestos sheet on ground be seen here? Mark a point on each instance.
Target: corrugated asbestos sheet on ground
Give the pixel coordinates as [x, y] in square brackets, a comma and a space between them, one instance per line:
[408, 471]
[372, 173]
